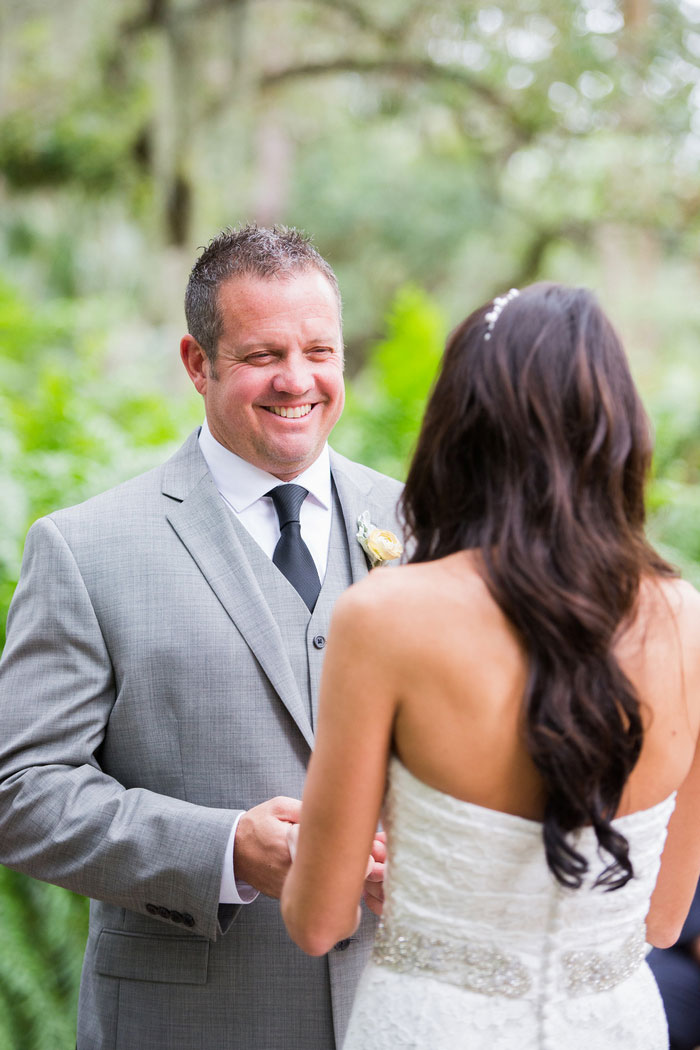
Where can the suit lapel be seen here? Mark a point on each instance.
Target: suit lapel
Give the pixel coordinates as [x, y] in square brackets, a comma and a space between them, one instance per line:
[355, 495]
[205, 527]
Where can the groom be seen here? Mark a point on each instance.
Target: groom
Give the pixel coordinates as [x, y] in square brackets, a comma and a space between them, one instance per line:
[159, 684]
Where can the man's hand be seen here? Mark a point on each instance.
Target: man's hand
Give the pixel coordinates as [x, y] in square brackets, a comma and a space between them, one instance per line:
[374, 882]
[260, 851]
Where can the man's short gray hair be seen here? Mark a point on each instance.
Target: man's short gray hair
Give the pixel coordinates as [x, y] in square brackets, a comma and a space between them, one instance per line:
[250, 251]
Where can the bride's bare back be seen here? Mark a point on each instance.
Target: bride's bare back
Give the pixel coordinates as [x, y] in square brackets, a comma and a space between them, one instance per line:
[461, 672]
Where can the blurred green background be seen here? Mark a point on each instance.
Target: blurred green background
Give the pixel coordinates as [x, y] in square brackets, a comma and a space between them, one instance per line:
[438, 152]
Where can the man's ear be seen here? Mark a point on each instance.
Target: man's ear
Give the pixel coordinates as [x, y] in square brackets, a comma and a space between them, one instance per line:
[196, 362]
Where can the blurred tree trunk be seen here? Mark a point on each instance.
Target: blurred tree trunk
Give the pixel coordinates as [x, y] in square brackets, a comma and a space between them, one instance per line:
[636, 13]
[181, 106]
[171, 86]
[274, 157]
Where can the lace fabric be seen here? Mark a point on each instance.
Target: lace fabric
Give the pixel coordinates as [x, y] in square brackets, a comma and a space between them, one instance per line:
[481, 948]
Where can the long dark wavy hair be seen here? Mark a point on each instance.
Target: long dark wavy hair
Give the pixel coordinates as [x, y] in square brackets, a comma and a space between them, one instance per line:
[534, 451]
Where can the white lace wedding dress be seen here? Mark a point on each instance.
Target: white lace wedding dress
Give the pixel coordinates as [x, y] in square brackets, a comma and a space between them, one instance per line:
[481, 949]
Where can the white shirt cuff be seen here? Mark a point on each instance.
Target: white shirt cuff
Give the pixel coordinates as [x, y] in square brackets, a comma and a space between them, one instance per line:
[234, 891]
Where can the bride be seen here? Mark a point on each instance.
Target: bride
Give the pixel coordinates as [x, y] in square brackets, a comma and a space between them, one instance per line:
[523, 700]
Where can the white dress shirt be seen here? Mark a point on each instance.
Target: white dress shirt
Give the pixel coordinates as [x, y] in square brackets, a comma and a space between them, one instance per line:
[242, 486]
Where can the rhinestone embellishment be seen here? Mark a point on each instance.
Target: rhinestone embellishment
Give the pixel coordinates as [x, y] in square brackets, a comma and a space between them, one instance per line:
[484, 968]
[597, 972]
[497, 307]
[479, 967]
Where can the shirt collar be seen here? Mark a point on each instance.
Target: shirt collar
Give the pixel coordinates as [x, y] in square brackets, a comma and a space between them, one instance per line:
[242, 484]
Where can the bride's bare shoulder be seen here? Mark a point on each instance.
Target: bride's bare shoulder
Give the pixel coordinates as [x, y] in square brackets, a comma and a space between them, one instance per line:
[405, 591]
[673, 599]
[684, 603]
[667, 616]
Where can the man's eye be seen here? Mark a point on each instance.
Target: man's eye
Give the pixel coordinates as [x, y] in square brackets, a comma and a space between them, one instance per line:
[258, 359]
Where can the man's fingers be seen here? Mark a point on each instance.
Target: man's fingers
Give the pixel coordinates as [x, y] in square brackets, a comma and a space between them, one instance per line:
[376, 907]
[374, 897]
[379, 847]
[285, 808]
[375, 872]
[374, 890]
[261, 854]
[292, 839]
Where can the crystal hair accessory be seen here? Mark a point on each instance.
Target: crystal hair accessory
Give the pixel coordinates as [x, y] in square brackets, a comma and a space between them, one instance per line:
[499, 304]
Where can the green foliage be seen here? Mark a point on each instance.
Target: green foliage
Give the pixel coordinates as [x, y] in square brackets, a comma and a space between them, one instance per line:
[674, 494]
[60, 153]
[674, 525]
[43, 931]
[70, 424]
[69, 427]
[385, 401]
[70, 131]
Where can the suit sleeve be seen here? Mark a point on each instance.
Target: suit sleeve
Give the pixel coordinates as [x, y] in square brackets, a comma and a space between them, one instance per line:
[62, 818]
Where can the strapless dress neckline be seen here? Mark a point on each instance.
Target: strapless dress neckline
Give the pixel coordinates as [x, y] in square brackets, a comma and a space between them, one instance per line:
[490, 814]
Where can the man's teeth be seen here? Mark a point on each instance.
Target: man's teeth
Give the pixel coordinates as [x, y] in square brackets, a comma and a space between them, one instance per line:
[290, 413]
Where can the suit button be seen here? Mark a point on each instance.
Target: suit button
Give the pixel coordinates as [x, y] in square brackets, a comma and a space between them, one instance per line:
[176, 916]
[187, 919]
[152, 909]
[342, 945]
[319, 641]
[164, 912]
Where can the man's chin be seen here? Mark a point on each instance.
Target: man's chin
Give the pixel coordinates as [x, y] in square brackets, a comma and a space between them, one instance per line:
[289, 461]
[288, 465]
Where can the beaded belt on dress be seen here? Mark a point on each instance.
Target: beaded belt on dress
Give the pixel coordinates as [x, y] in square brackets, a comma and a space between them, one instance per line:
[484, 968]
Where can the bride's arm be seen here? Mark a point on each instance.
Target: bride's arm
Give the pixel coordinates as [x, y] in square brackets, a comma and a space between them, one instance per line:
[680, 864]
[347, 773]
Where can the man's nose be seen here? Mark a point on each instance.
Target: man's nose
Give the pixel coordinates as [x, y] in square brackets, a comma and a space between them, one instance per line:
[293, 377]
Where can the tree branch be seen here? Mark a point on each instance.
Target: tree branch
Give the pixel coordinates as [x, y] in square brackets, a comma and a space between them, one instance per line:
[154, 13]
[530, 265]
[419, 69]
[357, 14]
[392, 35]
[158, 13]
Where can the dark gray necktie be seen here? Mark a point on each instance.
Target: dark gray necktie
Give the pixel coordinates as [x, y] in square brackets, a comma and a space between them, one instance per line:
[292, 556]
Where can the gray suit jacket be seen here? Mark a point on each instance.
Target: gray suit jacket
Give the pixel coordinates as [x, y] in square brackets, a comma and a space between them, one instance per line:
[145, 698]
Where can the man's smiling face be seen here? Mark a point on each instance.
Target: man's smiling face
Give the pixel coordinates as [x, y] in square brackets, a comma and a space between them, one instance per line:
[275, 390]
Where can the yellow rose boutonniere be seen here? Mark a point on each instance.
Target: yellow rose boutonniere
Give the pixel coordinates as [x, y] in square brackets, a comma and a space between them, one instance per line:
[379, 545]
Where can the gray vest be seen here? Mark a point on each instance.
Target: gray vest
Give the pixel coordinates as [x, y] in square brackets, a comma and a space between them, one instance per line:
[304, 633]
